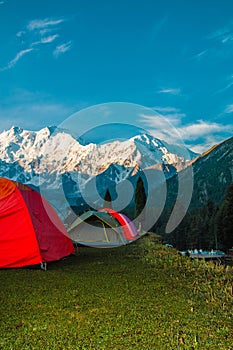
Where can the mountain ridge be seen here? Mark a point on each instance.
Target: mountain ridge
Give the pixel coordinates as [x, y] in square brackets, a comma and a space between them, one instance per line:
[51, 149]
[50, 158]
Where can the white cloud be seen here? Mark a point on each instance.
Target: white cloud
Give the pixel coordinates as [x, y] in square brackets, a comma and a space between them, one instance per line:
[221, 42]
[43, 23]
[171, 91]
[223, 34]
[45, 40]
[20, 33]
[170, 124]
[201, 129]
[163, 127]
[228, 86]
[49, 39]
[172, 114]
[219, 45]
[169, 114]
[60, 49]
[165, 110]
[200, 55]
[227, 38]
[229, 108]
[37, 33]
[198, 136]
[45, 31]
[210, 141]
[19, 55]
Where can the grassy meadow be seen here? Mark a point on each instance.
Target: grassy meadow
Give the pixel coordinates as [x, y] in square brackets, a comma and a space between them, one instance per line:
[140, 296]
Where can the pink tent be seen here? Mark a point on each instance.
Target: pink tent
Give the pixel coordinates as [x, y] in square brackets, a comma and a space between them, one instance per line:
[129, 230]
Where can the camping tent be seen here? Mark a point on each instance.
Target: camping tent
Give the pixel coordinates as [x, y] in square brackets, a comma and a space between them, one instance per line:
[30, 230]
[97, 229]
[129, 230]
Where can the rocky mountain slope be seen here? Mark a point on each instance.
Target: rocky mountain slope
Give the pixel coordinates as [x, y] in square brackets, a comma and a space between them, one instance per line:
[212, 174]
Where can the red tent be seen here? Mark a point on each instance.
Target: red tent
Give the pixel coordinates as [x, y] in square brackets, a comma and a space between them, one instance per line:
[128, 228]
[30, 230]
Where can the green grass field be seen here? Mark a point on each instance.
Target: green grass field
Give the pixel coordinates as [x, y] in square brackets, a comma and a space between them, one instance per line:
[141, 296]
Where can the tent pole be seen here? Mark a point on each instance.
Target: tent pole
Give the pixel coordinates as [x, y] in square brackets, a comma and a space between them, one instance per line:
[105, 233]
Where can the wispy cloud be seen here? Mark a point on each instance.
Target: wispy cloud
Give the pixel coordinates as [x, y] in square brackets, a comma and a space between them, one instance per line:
[40, 33]
[227, 86]
[171, 91]
[165, 123]
[210, 141]
[2, 2]
[229, 109]
[60, 49]
[172, 114]
[199, 135]
[223, 35]
[45, 40]
[199, 56]
[19, 55]
[201, 129]
[219, 44]
[20, 33]
[167, 109]
[49, 39]
[43, 23]
[157, 27]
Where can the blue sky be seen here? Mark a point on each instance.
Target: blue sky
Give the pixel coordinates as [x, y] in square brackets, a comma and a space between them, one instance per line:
[174, 57]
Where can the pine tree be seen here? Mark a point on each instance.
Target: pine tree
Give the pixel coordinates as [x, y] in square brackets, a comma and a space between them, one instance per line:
[181, 234]
[208, 238]
[140, 198]
[224, 220]
[195, 230]
[107, 199]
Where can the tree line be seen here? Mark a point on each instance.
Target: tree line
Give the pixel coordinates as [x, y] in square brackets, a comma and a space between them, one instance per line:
[208, 227]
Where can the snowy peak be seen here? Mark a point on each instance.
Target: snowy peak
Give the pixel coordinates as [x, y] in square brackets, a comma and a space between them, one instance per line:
[54, 150]
[147, 138]
[160, 152]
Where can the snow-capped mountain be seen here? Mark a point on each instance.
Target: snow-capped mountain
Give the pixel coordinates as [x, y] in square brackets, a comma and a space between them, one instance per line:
[52, 158]
[50, 150]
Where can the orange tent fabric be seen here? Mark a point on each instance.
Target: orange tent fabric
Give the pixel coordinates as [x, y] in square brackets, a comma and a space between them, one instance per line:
[30, 230]
[6, 187]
